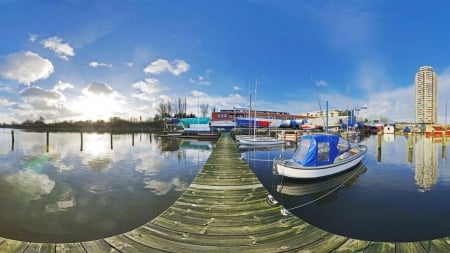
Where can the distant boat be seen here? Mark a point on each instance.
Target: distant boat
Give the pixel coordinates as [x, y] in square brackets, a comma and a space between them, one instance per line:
[260, 141]
[320, 155]
[388, 129]
[252, 122]
[222, 125]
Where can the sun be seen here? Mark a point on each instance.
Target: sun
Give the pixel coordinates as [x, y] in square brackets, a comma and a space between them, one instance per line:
[97, 107]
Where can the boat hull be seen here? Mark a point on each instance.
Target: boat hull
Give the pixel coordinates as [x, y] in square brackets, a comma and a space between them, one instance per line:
[289, 168]
[260, 141]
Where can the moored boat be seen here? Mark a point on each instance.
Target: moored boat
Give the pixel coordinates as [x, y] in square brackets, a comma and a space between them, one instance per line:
[320, 155]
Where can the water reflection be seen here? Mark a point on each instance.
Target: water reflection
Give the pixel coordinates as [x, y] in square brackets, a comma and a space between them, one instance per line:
[379, 203]
[83, 189]
[426, 163]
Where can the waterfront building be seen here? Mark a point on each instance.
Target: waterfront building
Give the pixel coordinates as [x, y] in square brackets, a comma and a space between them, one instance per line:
[426, 96]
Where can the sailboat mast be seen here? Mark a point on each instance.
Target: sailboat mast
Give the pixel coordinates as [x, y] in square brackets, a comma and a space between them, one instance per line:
[254, 120]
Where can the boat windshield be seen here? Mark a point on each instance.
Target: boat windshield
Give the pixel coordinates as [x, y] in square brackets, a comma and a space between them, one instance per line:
[323, 152]
[343, 145]
[302, 150]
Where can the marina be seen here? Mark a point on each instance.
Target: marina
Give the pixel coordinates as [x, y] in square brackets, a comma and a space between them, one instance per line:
[224, 209]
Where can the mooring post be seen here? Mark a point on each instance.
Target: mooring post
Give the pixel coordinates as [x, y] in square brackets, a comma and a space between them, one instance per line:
[81, 141]
[410, 152]
[111, 140]
[410, 141]
[379, 140]
[132, 139]
[379, 146]
[48, 142]
[444, 145]
[12, 140]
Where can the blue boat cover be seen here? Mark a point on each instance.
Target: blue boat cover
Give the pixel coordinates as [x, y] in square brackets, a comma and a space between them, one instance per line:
[186, 122]
[319, 149]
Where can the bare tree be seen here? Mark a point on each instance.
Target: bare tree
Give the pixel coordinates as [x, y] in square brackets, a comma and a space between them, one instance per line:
[204, 108]
[164, 109]
[180, 108]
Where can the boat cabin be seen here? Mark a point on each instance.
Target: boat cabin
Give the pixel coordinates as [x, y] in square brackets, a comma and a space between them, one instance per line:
[320, 149]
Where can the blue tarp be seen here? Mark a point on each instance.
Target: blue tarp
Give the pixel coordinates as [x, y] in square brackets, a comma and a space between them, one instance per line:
[318, 149]
[186, 122]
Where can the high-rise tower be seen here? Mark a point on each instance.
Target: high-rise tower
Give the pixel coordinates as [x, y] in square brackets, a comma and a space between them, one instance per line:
[426, 96]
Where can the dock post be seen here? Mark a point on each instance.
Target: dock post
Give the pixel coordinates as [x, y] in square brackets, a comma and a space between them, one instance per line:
[47, 145]
[81, 141]
[410, 141]
[444, 146]
[132, 139]
[111, 140]
[379, 146]
[444, 140]
[12, 140]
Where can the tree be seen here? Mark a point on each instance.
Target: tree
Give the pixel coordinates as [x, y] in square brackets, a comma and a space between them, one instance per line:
[204, 108]
[164, 109]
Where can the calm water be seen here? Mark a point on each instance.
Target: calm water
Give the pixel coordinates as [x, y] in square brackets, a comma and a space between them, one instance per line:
[396, 195]
[73, 192]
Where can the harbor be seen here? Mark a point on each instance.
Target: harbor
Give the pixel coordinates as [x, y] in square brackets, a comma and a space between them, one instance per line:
[225, 209]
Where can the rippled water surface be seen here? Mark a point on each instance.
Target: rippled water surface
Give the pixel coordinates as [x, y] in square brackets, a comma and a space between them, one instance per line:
[396, 194]
[85, 187]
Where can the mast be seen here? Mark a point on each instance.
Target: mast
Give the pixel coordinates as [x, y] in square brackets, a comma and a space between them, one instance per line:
[254, 120]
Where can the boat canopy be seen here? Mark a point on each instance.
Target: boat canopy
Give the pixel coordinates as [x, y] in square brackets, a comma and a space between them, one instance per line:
[320, 149]
[186, 122]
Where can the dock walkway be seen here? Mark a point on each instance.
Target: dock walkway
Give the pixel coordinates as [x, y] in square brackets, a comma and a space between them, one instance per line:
[225, 210]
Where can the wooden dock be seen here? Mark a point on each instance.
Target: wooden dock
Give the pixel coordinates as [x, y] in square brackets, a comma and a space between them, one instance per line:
[225, 210]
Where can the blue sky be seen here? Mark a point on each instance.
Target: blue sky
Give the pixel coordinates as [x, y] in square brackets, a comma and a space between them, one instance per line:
[70, 60]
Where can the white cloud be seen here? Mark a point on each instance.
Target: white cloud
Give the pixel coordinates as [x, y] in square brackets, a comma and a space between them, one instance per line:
[202, 79]
[98, 88]
[37, 102]
[39, 93]
[62, 86]
[32, 37]
[95, 64]
[148, 89]
[25, 67]
[6, 101]
[320, 83]
[62, 50]
[129, 64]
[160, 66]
[236, 88]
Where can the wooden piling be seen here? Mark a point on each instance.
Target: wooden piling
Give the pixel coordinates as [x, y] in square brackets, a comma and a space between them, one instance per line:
[12, 140]
[81, 141]
[410, 141]
[47, 146]
[111, 141]
[132, 139]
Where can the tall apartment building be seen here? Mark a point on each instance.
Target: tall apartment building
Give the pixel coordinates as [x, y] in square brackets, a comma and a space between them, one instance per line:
[426, 95]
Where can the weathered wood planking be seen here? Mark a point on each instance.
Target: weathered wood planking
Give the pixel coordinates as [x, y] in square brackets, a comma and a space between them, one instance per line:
[224, 210]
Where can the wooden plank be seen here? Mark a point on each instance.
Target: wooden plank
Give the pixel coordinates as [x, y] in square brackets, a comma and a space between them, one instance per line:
[437, 245]
[125, 244]
[13, 246]
[380, 247]
[409, 247]
[41, 248]
[98, 246]
[70, 248]
[352, 245]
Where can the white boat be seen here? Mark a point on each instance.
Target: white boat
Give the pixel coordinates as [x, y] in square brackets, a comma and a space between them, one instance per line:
[307, 187]
[260, 141]
[388, 129]
[320, 155]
